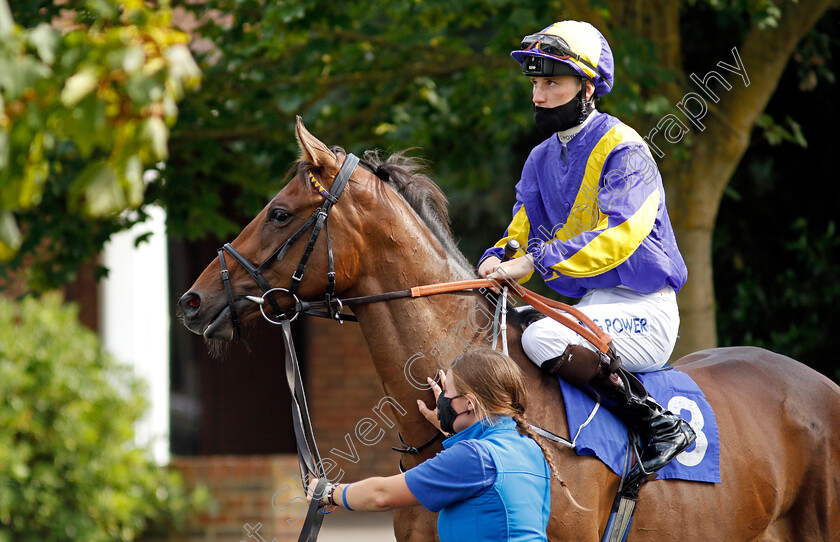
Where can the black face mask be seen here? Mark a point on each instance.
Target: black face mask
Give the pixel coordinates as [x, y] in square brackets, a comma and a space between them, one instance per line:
[551, 120]
[447, 414]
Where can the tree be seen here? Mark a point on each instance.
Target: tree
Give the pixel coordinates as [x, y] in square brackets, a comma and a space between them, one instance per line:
[86, 101]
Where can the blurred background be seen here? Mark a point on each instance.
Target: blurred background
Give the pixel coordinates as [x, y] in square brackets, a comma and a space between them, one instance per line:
[137, 137]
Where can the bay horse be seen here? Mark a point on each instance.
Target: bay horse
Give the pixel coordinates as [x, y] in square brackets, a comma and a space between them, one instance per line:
[779, 421]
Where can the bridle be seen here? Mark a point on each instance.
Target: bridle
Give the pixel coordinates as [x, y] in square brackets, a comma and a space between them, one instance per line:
[319, 218]
[309, 458]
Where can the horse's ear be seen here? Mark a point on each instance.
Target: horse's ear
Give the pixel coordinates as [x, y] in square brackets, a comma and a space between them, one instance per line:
[312, 150]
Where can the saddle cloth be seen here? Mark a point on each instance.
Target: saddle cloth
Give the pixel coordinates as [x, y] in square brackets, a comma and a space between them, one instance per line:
[606, 437]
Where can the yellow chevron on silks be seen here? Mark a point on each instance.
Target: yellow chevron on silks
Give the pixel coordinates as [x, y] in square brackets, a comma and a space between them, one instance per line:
[586, 214]
[613, 246]
[518, 229]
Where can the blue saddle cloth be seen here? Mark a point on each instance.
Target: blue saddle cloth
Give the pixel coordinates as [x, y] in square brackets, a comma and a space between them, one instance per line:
[605, 436]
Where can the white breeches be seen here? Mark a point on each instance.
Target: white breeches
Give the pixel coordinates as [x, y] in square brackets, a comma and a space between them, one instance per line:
[643, 327]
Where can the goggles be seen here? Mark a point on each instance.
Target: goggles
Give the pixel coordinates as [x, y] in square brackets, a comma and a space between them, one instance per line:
[556, 47]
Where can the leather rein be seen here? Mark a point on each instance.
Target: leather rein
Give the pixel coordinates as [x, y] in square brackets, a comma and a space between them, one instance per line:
[331, 307]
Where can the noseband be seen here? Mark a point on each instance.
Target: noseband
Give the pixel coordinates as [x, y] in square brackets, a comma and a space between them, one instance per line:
[319, 218]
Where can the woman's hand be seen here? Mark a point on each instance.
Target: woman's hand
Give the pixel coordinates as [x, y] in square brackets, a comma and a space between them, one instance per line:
[432, 415]
[322, 497]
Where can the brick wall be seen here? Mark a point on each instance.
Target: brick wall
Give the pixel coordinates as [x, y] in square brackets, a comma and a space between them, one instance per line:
[253, 497]
[342, 389]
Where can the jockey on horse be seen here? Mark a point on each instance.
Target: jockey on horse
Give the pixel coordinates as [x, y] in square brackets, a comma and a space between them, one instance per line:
[590, 215]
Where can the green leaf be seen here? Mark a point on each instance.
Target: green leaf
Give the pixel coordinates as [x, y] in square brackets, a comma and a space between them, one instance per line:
[133, 181]
[7, 24]
[45, 40]
[5, 146]
[98, 190]
[184, 73]
[78, 86]
[10, 237]
[157, 134]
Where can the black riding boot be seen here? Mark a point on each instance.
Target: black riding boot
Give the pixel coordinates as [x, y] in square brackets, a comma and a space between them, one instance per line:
[663, 434]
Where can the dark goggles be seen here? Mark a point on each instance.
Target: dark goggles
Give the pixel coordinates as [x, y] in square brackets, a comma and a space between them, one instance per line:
[556, 47]
[549, 43]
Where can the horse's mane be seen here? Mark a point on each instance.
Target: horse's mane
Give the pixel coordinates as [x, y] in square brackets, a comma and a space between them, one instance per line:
[406, 176]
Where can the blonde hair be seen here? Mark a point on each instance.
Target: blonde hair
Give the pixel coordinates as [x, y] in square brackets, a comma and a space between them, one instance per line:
[498, 386]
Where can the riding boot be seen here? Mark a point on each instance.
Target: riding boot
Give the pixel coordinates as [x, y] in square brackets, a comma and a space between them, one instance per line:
[662, 433]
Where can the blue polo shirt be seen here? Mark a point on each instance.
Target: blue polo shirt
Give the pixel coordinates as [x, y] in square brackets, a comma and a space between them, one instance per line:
[489, 484]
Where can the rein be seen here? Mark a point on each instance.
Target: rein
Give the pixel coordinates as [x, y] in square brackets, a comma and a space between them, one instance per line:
[583, 326]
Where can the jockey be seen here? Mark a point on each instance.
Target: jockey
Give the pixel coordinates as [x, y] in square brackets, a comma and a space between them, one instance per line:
[590, 215]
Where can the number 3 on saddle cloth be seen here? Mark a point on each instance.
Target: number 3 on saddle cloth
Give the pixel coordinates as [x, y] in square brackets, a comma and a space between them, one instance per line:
[606, 437]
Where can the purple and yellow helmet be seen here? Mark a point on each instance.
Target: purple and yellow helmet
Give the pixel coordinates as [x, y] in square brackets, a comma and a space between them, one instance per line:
[568, 48]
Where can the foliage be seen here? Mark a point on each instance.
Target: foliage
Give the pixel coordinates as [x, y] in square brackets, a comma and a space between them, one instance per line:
[776, 273]
[86, 102]
[787, 310]
[433, 75]
[69, 467]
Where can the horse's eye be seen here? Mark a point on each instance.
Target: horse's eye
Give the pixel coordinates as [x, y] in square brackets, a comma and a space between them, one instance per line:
[281, 217]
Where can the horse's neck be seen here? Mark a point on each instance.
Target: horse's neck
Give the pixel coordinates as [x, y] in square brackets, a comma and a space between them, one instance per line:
[409, 339]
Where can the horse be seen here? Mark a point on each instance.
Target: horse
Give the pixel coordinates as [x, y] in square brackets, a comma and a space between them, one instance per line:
[779, 421]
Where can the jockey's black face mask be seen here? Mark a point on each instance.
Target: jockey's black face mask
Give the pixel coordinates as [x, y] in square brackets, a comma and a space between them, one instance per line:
[550, 120]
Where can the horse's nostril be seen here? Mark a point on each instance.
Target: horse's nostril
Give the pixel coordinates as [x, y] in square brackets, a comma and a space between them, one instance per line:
[190, 302]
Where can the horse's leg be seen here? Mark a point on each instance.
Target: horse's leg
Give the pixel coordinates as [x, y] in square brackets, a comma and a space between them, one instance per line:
[415, 524]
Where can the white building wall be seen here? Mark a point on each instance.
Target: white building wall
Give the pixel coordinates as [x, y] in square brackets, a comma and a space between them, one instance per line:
[135, 313]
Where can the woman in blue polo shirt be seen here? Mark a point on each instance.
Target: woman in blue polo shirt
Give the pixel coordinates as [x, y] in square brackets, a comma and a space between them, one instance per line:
[492, 480]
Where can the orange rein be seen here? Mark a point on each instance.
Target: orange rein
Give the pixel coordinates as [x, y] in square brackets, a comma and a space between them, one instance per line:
[589, 330]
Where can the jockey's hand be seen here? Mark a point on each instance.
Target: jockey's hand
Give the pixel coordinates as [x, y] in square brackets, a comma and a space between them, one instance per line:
[432, 415]
[488, 266]
[513, 269]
